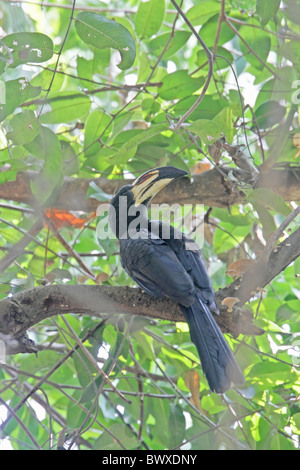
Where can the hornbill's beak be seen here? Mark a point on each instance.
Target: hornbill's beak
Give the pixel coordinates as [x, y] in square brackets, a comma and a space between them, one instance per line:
[146, 186]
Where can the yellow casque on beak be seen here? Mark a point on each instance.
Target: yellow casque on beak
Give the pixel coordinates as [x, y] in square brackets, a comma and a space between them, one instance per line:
[146, 186]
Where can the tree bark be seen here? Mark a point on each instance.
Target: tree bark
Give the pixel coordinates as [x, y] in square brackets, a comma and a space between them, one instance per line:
[264, 270]
[209, 188]
[23, 310]
[28, 308]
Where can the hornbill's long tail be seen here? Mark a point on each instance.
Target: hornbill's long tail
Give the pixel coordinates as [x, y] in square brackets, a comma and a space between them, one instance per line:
[217, 359]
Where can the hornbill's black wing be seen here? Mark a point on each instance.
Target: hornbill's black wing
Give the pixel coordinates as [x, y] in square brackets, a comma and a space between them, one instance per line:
[156, 269]
[167, 268]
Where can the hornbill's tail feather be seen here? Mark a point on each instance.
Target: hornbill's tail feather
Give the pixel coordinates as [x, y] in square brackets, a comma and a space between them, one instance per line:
[218, 362]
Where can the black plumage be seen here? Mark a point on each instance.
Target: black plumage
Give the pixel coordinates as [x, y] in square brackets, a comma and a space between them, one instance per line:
[166, 263]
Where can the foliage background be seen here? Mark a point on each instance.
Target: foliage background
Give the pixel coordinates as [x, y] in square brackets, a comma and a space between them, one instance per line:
[68, 110]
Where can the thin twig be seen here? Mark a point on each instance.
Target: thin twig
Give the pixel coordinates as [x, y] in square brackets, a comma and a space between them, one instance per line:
[219, 26]
[284, 35]
[58, 57]
[93, 361]
[70, 250]
[43, 379]
[19, 248]
[80, 7]
[20, 423]
[212, 426]
[210, 58]
[141, 90]
[236, 32]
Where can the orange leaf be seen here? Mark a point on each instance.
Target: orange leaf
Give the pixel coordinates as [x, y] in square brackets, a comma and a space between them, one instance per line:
[61, 218]
[192, 382]
[200, 167]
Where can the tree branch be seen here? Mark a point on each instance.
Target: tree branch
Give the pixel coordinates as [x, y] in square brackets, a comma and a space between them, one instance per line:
[28, 308]
[20, 312]
[209, 188]
[23, 310]
[265, 269]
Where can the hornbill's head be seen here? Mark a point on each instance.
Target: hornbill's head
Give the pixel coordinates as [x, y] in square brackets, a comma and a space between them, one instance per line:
[146, 186]
[143, 189]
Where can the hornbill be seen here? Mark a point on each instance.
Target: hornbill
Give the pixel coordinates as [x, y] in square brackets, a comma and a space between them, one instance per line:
[165, 262]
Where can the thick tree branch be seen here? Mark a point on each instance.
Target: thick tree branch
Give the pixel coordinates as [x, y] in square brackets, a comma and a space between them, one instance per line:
[265, 270]
[207, 188]
[21, 311]
[26, 309]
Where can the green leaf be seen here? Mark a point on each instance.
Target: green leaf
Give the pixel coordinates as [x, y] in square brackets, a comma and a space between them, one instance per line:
[224, 119]
[45, 77]
[228, 236]
[268, 370]
[266, 219]
[176, 426]
[28, 47]
[291, 52]
[259, 41]
[270, 200]
[47, 147]
[267, 9]
[119, 123]
[179, 85]
[97, 193]
[281, 86]
[209, 31]
[128, 149]
[70, 159]
[100, 32]
[207, 109]
[109, 245]
[2, 92]
[75, 417]
[149, 17]
[118, 438]
[25, 127]
[292, 11]
[201, 12]
[159, 409]
[221, 63]
[17, 92]
[157, 44]
[95, 126]
[208, 131]
[269, 113]
[85, 68]
[234, 217]
[151, 155]
[91, 389]
[66, 106]
[296, 422]
[85, 370]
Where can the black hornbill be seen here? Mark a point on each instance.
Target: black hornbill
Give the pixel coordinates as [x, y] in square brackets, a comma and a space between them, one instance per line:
[165, 262]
